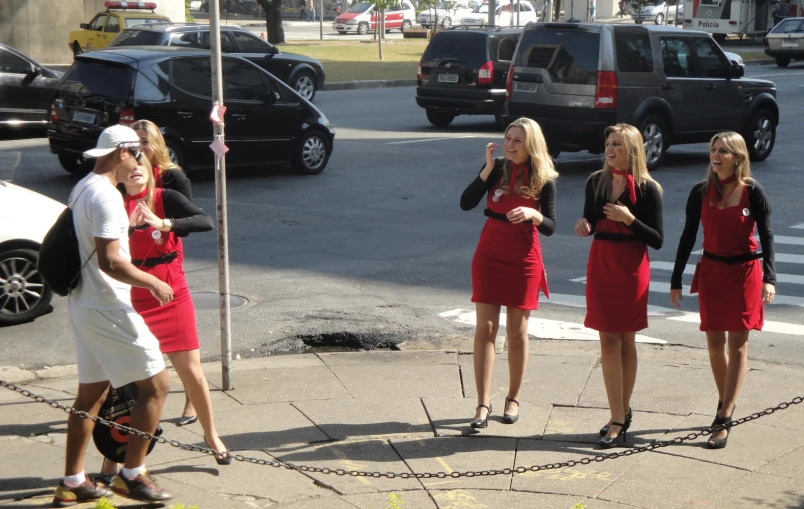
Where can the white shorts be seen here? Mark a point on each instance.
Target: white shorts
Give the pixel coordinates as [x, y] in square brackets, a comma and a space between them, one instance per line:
[113, 345]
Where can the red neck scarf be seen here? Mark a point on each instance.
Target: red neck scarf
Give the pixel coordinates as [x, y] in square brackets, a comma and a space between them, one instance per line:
[138, 196]
[629, 183]
[716, 189]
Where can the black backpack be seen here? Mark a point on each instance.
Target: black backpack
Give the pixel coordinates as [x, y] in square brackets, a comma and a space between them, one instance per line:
[59, 257]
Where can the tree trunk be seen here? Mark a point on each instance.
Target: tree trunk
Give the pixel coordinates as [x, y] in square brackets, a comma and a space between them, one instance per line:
[381, 24]
[273, 20]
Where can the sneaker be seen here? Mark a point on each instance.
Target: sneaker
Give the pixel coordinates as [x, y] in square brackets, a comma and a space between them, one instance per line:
[88, 490]
[142, 488]
[105, 479]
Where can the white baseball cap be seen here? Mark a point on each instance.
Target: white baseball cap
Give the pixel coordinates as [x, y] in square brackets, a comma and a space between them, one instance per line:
[113, 138]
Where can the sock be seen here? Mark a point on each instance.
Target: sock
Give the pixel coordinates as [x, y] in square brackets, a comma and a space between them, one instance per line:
[75, 480]
[132, 473]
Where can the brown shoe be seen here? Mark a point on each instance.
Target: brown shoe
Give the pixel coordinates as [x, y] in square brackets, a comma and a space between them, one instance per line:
[88, 490]
[142, 488]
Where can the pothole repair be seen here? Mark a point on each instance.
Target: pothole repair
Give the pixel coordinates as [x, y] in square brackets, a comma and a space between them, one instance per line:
[351, 341]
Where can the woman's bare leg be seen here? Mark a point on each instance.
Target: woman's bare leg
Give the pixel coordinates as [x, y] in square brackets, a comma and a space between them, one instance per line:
[516, 329]
[734, 377]
[488, 323]
[611, 345]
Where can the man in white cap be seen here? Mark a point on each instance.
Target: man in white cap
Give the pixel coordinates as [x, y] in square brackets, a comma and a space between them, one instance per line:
[112, 342]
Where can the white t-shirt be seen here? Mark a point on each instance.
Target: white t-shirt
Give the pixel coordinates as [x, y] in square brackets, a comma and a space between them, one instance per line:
[99, 212]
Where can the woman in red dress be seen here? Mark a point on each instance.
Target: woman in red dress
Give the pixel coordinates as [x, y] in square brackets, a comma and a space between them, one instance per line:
[507, 268]
[731, 283]
[623, 209]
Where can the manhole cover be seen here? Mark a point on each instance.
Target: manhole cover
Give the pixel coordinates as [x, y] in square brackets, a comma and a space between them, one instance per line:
[212, 300]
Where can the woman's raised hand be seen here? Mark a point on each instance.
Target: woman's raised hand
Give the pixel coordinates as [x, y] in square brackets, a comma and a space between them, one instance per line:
[136, 219]
[149, 217]
[582, 227]
[490, 148]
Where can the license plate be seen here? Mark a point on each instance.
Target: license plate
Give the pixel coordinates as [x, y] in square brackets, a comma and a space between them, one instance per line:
[790, 44]
[525, 87]
[84, 117]
[338, 27]
[448, 78]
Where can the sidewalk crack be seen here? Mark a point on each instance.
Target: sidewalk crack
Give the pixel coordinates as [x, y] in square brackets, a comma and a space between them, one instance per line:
[405, 462]
[588, 377]
[319, 428]
[429, 418]
[336, 376]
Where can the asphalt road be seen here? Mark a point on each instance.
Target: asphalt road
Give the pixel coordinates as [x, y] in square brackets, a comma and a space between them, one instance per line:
[376, 246]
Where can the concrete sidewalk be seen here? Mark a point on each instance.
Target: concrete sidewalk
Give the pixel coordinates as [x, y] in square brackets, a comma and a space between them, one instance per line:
[408, 411]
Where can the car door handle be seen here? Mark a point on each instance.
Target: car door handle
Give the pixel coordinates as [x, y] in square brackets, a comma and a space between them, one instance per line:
[185, 113]
[709, 87]
[239, 116]
[668, 86]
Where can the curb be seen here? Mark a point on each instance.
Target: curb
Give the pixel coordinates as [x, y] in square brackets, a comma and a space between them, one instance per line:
[350, 85]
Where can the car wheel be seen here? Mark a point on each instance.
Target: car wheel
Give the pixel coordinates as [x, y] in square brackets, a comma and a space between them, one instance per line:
[175, 153]
[312, 154]
[77, 50]
[75, 164]
[446, 23]
[659, 19]
[782, 62]
[654, 137]
[440, 119]
[719, 38]
[762, 135]
[23, 292]
[362, 28]
[305, 85]
[406, 25]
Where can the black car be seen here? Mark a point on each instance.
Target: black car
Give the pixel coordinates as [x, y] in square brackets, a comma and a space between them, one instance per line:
[26, 89]
[304, 74]
[463, 72]
[266, 121]
[675, 85]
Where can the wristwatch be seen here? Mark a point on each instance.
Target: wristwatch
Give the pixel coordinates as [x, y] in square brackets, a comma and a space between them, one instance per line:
[167, 225]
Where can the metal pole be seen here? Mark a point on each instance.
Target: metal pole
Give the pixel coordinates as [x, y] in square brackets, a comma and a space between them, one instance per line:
[220, 201]
[321, 20]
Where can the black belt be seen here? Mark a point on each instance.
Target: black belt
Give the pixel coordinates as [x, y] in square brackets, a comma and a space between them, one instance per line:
[501, 217]
[615, 237]
[733, 260]
[153, 262]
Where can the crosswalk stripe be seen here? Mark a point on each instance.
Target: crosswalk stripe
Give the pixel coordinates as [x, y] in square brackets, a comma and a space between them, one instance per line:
[798, 226]
[769, 326]
[782, 239]
[579, 301]
[690, 269]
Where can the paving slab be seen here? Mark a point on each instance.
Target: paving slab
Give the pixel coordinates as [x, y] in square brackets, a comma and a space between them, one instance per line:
[667, 389]
[582, 480]
[385, 358]
[787, 465]
[582, 425]
[748, 447]
[211, 369]
[459, 454]
[26, 419]
[364, 418]
[763, 490]
[394, 499]
[404, 381]
[484, 499]
[548, 379]
[15, 375]
[29, 467]
[366, 455]
[272, 385]
[451, 417]
[329, 502]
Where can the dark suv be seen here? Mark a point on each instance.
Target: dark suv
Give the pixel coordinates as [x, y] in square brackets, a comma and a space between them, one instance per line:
[304, 74]
[266, 121]
[463, 72]
[675, 85]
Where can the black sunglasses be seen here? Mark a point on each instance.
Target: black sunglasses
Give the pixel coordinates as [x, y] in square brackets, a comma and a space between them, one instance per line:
[135, 153]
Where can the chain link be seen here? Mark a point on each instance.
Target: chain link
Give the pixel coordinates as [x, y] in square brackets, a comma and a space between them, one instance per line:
[408, 475]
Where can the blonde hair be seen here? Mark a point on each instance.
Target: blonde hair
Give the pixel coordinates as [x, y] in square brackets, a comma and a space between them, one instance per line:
[735, 144]
[542, 168]
[635, 152]
[157, 142]
[150, 184]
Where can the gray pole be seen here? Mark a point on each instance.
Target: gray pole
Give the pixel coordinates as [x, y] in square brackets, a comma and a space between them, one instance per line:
[220, 200]
[492, 12]
[321, 20]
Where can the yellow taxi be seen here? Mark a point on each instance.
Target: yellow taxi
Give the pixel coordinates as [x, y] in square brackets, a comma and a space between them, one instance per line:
[106, 25]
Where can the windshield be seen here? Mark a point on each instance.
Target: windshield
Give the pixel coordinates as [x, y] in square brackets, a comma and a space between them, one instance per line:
[361, 7]
[482, 8]
[130, 22]
[138, 38]
[789, 25]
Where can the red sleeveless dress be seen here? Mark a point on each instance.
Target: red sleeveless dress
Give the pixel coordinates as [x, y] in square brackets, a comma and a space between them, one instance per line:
[507, 267]
[729, 295]
[617, 282]
[174, 323]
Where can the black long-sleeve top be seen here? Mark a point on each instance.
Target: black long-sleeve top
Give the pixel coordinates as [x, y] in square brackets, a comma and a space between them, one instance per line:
[761, 211]
[475, 192]
[185, 217]
[177, 180]
[648, 225]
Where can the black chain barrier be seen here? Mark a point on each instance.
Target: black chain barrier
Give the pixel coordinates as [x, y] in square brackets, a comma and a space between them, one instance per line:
[408, 475]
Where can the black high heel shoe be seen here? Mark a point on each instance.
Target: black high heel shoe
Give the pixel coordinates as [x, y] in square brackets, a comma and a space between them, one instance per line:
[221, 458]
[508, 418]
[605, 429]
[622, 436]
[720, 443]
[719, 406]
[481, 423]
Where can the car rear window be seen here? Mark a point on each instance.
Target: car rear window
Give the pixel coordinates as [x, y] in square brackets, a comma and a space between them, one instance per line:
[138, 38]
[105, 79]
[130, 22]
[570, 56]
[789, 26]
[458, 46]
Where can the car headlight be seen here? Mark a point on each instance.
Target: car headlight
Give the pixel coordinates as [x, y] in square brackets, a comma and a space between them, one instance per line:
[352, 22]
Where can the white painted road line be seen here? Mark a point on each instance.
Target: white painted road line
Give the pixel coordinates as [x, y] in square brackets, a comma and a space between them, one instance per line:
[546, 329]
[782, 239]
[798, 226]
[690, 269]
[579, 301]
[792, 329]
[430, 139]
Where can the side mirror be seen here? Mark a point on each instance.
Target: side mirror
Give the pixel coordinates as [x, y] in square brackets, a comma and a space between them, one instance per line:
[85, 26]
[737, 71]
[274, 50]
[35, 70]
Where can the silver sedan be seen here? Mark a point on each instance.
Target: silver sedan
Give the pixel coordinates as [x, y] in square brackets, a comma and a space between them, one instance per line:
[785, 42]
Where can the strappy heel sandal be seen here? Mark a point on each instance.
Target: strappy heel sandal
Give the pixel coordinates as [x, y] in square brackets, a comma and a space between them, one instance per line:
[221, 458]
[481, 423]
[509, 418]
[605, 429]
[719, 406]
[622, 436]
[720, 443]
